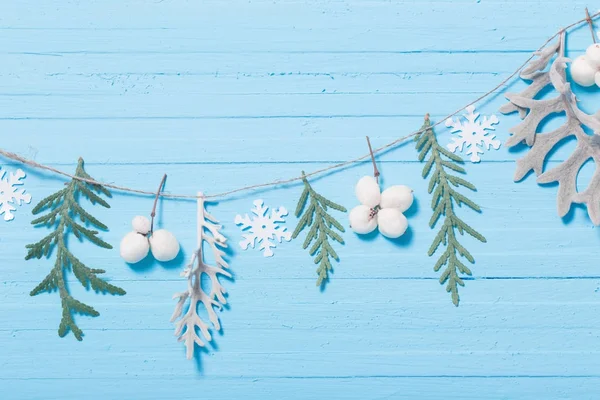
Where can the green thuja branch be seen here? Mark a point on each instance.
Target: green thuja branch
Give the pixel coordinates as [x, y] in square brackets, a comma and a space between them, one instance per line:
[443, 187]
[321, 226]
[62, 211]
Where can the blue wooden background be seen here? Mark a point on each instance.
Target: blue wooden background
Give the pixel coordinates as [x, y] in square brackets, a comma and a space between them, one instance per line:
[221, 94]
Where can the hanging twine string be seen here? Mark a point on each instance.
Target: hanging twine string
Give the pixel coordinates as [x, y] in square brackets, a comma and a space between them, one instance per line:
[34, 164]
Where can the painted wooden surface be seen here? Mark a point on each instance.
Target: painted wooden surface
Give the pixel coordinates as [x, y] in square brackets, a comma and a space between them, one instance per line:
[221, 94]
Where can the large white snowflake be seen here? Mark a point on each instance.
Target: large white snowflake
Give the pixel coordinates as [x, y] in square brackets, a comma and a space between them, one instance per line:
[473, 134]
[11, 194]
[263, 228]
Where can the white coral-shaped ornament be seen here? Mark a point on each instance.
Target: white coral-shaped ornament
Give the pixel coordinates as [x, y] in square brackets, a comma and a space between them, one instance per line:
[188, 324]
[547, 70]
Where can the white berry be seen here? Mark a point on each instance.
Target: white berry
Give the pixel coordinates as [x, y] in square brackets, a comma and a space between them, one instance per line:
[593, 55]
[164, 245]
[134, 247]
[582, 71]
[392, 223]
[360, 220]
[141, 224]
[368, 191]
[399, 196]
[597, 78]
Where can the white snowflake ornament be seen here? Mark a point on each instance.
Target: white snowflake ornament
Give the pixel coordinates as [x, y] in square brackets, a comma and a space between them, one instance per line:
[11, 194]
[474, 134]
[263, 228]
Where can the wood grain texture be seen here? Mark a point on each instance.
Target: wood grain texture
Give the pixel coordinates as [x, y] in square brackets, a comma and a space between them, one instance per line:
[225, 94]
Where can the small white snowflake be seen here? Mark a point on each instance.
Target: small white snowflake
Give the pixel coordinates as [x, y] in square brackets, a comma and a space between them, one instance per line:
[10, 193]
[263, 228]
[473, 134]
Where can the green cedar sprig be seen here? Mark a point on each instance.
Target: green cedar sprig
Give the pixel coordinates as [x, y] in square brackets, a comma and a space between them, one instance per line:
[443, 185]
[321, 226]
[63, 209]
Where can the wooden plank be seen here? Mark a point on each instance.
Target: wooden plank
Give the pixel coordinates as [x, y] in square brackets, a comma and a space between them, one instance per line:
[352, 388]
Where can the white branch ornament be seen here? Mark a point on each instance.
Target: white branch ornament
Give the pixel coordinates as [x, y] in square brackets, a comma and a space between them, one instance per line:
[380, 209]
[186, 323]
[534, 111]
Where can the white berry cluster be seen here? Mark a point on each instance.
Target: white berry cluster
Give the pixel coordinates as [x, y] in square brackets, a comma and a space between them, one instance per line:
[383, 210]
[136, 244]
[585, 70]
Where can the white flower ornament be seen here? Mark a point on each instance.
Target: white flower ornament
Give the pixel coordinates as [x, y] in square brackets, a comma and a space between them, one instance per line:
[380, 209]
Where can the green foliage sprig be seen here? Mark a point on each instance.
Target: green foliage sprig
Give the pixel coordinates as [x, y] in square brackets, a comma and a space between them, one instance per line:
[442, 185]
[321, 225]
[62, 211]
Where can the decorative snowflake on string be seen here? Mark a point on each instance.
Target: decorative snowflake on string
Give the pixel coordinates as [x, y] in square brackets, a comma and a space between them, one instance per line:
[11, 194]
[263, 228]
[473, 134]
